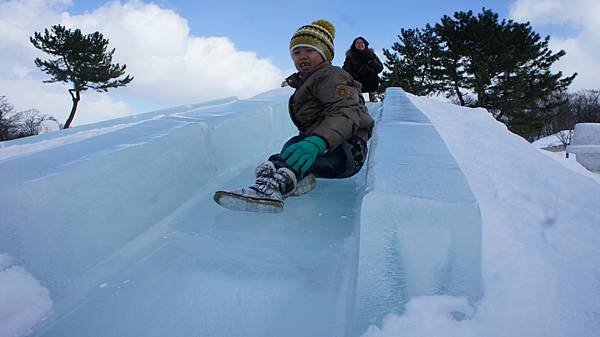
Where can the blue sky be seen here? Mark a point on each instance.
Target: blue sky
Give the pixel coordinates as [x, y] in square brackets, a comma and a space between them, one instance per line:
[184, 52]
[265, 27]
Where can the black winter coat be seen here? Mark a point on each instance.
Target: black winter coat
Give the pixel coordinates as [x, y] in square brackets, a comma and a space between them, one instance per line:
[364, 67]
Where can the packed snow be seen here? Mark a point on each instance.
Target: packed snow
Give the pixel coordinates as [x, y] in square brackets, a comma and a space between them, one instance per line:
[548, 141]
[572, 164]
[23, 300]
[110, 229]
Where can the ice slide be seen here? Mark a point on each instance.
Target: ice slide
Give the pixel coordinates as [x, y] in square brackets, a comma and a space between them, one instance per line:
[115, 221]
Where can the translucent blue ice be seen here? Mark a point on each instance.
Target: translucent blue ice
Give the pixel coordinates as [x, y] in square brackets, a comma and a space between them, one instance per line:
[116, 221]
[420, 231]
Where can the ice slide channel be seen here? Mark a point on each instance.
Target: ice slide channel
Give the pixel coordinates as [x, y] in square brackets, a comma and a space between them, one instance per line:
[116, 220]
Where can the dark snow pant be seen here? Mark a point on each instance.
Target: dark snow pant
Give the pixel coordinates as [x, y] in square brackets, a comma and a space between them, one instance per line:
[342, 162]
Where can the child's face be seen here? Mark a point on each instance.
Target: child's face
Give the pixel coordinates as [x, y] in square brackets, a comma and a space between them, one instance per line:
[306, 58]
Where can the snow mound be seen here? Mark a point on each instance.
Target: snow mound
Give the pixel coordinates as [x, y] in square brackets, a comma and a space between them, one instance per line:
[23, 300]
[548, 141]
[428, 316]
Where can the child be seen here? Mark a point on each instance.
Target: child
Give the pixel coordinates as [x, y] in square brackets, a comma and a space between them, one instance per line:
[333, 123]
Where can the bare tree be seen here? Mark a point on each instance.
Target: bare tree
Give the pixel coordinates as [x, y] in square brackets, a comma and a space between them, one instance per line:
[20, 124]
[582, 107]
[565, 137]
[586, 106]
[8, 120]
[32, 122]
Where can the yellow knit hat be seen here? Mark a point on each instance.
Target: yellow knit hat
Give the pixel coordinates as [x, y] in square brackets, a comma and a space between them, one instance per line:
[318, 35]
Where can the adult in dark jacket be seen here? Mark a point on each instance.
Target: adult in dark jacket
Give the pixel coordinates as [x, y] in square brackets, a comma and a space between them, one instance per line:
[362, 63]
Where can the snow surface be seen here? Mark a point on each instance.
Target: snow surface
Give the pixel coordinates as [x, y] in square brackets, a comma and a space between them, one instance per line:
[109, 229]
[548, 141]
[23, 301]
[586, 134]
[571, 163]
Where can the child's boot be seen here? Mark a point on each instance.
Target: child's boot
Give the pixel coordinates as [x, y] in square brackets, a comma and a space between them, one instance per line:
[305, 185]
[267, 193]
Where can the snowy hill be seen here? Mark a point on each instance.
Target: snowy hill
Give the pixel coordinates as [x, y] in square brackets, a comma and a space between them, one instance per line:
[548, 141]
[109, 229]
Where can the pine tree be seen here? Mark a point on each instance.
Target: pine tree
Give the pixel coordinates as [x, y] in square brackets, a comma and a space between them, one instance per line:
[505, 65]
[448, 53]
[409, 66]
[82, 60]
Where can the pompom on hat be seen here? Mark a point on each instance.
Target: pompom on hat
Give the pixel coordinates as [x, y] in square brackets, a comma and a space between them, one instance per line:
[318, 35]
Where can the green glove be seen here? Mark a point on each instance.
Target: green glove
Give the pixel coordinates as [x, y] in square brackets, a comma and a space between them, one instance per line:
[301, 156]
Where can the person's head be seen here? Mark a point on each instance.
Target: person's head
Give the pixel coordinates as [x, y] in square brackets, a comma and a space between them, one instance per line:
[312, 44]
[306, 58]
[359, 44]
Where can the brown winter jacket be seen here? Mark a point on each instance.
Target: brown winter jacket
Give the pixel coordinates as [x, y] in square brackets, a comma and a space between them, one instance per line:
[328, 103]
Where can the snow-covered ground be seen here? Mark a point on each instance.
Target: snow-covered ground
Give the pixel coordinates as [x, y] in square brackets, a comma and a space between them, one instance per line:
[548, 141]
[115, 220]
[571, 163]
[23, 300]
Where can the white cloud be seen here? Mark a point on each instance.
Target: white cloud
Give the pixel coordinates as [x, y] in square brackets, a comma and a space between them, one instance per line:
[170, 65]
[54, 100]
[583, 48]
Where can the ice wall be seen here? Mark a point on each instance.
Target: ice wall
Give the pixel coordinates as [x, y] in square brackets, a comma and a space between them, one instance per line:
[93, 203]
[72, 199]
[420, 223]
